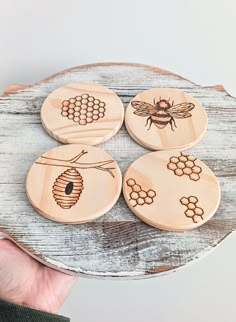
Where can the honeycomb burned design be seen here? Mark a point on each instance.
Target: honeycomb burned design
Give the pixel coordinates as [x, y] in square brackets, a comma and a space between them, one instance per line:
[185, 165]
[192, 211]
[138, 196]
[83, 109]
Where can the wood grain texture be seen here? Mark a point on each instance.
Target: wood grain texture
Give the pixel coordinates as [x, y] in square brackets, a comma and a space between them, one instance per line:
[74, 183]
[165, 119]
[85, 113]
[118, 244]
[171, 190]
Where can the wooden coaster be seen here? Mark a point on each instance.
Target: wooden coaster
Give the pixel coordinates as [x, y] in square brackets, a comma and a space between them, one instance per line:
[165, 118]
[171, 190]
[84, 113]
[74, 183]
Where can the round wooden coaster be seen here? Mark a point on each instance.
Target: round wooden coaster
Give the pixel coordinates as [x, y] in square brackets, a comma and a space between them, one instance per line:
[171, 190]
[165, 118]
[74, 183]
[84, 113]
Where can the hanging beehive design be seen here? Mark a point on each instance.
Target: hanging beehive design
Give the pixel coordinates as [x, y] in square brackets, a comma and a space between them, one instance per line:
[67, 188]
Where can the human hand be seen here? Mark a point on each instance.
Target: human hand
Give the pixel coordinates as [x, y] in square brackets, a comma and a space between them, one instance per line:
[26, 282]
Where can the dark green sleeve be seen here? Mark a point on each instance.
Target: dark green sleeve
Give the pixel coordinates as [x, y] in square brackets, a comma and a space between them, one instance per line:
[10, 312]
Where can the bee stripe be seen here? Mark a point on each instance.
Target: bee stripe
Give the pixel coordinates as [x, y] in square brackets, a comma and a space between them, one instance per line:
[161, 122]
[161, 114]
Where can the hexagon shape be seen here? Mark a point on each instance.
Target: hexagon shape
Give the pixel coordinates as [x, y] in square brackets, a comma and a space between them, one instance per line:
[172, 166]
[174, 160]
[180, 165]
[187, 171]
[133, 202]
[183, 158]
[130, 182]
[142, 194]
[191, 158]
[194, 176]
[140, 201]
[191, 206]
[199, 211]
[136, 187]
[184, 201]
[134, 195]
[151, 193]
[65, 103]
[189, 213]
[193, 199]
[179, 172]
[189, 164]
[197, 218]
[148, 200]
[71, 110]
[197, 169]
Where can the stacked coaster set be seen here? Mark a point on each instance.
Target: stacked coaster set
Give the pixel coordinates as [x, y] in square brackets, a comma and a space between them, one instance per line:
[77, 182]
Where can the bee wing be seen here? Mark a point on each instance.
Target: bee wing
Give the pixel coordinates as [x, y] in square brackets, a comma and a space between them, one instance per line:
[143, 108]
[180, 111]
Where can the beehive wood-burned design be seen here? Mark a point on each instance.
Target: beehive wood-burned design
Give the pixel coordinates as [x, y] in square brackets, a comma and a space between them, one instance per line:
[138, 196]
[83, 109]
[68, 186]
[162, 112]
[120, 246]
[192, 211]
[184, 164]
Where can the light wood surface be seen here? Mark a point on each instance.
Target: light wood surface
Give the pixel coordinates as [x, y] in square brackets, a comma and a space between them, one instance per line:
[74, 183]
[84, 113]
[118, 245]
[165, 119]
[171, 190]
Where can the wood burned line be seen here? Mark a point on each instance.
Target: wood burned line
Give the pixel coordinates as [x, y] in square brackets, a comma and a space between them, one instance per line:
[72, 163]
[69, 185]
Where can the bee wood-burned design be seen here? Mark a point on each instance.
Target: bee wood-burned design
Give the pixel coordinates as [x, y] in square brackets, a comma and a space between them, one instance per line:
[185, 165]
[83, 109]
[69, 185]
[138, 196]
[193, 211]
[162, 112]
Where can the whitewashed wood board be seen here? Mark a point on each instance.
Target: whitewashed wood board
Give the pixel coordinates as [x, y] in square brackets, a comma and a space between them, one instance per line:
[117, 245]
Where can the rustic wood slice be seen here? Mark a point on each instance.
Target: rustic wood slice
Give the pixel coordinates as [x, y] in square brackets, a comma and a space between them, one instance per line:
[118, 244]
[84, 113]
[165, 118]
[171, 190]
[74, 183]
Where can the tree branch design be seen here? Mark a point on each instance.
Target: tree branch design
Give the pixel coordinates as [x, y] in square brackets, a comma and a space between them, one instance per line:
[72, 163]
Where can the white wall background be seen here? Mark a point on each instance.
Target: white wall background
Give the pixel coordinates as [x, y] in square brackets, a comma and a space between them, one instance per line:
[195, 39]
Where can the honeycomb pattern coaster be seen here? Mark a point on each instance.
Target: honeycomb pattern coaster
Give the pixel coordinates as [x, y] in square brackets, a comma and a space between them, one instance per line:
[85, 113]
[165, 119]
[171, 190]
[69, 180]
